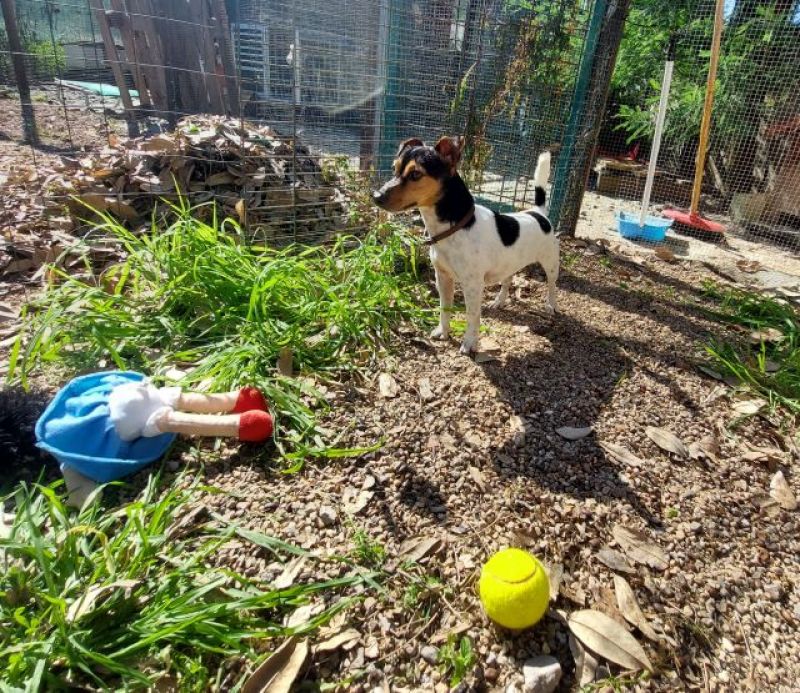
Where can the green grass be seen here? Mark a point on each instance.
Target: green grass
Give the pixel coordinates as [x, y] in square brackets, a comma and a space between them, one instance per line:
[769, 367]
[366, 551]
[120, 598]
[457, 659]
[198, 296]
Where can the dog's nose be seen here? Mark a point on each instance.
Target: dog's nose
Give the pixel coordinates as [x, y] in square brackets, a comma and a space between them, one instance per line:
[378, 196]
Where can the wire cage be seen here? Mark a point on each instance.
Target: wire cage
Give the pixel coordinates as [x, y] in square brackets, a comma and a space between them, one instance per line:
[751, 171]
[334, 86]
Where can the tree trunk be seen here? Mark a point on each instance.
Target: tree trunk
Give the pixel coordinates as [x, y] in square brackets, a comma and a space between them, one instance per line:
[605, 59]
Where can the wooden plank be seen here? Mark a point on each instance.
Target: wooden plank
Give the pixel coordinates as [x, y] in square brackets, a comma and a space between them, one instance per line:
[222, 33]
[114, 61]
[208, 55]
[123, 23]
[148, 45]
[21, 77]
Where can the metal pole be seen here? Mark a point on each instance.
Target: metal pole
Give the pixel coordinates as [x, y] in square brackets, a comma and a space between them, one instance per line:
[21, 77]
[662, 113]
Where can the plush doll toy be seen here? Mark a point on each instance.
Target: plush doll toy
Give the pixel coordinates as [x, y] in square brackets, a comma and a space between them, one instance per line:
[105, 426]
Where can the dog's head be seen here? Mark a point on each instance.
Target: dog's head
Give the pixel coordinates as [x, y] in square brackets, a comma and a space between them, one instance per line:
[420, 172]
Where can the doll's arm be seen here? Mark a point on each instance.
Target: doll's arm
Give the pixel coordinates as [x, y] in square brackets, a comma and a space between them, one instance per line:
[251, 426]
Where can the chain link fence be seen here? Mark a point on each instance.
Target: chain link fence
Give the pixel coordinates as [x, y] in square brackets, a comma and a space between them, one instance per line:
[310, 100]
[751, 177]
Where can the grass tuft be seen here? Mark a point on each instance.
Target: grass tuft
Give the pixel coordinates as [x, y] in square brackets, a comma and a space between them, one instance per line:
[196, 295]
[124, 598]
[767, 357]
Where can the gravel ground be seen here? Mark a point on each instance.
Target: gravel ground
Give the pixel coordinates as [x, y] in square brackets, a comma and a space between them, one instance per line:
[476, 464]
[472, 463]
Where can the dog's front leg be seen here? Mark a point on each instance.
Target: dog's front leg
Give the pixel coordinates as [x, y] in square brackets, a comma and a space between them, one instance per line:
[473, 297]
[445, 285]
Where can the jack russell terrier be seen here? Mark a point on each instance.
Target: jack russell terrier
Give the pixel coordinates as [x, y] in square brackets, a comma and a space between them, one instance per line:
[469, 244]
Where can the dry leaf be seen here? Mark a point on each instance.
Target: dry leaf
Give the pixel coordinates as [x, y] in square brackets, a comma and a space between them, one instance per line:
[302, 615]
[518, 429]
[603, 635]
[780, 490]
[614, 560]
[629, 607]
[667, 440]
[748, 407]
[665, 254]
[484, 357]
[571, 433]
[87, 602]
[710, 372]
[622, 454]
[749, 266]
[637, 547]
[414, 550]
[290, 572]
[585, 662]
[488, 344]
[286, 362]
[425, 391]
[355, 502]
[346, 639]
[455, 631]
[387, 386]
[555, 573]
[279, 671]
[241, 211]
[769, 335]
[477, 476]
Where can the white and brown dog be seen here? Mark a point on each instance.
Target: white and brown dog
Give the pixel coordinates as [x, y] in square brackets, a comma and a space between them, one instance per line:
[469, 244]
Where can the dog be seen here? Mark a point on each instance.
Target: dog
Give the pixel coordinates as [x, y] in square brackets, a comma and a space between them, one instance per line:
[470, 244]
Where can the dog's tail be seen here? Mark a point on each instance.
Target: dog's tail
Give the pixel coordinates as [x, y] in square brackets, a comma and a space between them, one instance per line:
[540, 177]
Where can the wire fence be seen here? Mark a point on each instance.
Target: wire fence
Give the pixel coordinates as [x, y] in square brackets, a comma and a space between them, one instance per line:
[284, 114]
[309, 101]
[751, 172]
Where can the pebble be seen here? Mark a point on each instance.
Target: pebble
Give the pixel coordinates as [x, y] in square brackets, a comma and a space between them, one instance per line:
[430, 654]
[327, 515]
[542, 674]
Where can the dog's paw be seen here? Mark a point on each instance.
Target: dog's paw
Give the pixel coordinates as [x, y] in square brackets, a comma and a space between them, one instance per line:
[440, 333]
[550, 310]
[497, 303]
[468, 346]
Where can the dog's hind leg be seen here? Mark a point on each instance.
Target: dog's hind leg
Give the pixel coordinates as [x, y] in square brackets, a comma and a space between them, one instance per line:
[445, 285]
[473, 297]
[502, 295]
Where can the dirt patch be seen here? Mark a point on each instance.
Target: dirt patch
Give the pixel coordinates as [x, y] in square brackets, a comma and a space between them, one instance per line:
[458, 466]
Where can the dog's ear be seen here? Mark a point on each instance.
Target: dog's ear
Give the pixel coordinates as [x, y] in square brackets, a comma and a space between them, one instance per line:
[413, 142]
[449, 148]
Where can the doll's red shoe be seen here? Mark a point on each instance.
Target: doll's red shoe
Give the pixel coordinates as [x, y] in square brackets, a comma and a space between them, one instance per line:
[255, 426]
[250, 399]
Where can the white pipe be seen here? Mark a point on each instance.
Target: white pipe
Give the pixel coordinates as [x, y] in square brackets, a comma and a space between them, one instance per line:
[662, 113]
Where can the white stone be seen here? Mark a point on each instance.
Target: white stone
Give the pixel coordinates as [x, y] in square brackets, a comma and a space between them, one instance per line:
[542, 674]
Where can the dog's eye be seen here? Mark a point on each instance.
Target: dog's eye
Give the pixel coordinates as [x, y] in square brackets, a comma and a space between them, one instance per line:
[414, 175]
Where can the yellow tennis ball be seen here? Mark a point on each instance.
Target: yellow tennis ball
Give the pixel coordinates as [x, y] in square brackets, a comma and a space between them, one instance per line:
[514, 589]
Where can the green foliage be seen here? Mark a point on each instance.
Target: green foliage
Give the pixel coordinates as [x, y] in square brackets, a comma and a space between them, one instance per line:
[771, 365]
[122, 598]
[756, 76]
[367, 552]
[196, 294]
[457, 659]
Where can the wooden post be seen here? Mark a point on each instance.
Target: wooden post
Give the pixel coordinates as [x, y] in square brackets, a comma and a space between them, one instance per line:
[18, 58]
[591, 118]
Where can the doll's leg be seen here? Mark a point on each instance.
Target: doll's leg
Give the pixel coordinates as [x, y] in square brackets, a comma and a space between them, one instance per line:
[251, 426]
[246, 399]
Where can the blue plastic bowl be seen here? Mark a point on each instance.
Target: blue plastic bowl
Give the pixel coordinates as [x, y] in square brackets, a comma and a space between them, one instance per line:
[654, 229]
[76, 429]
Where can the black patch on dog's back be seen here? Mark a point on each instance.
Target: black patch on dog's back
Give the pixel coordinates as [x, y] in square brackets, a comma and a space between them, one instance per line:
[544, 222]
[507, 228]
[540, 196]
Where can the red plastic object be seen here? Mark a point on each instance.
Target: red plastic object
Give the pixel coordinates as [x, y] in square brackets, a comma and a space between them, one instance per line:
[694, 221]
[255, 426]
[250, 399]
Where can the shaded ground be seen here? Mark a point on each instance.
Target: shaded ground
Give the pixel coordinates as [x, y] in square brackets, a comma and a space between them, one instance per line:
[618, 358]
